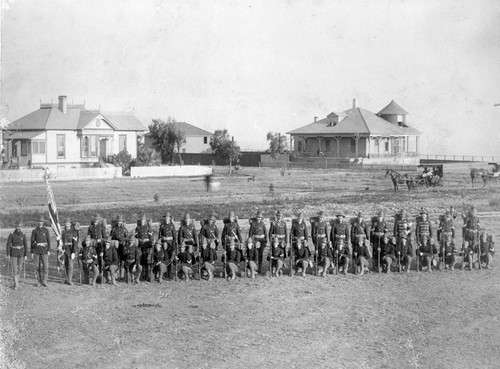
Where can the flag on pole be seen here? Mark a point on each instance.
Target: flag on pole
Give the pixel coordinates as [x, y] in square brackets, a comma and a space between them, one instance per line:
[54, 220]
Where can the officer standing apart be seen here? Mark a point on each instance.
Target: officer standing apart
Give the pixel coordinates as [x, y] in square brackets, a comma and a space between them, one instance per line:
[17, 251]
[40, 252]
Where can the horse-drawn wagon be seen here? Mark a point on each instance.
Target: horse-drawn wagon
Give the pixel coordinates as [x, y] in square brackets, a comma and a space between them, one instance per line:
[430, 176]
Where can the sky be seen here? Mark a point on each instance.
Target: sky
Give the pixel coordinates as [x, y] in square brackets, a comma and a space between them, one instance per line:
[258, 66]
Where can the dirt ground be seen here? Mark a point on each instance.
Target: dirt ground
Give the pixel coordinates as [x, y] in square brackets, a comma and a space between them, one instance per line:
[416, 320]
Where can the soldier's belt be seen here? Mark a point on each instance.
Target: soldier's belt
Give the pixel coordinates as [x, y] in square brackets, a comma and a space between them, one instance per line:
[167, 238]
[424, 233]
[321, 235]
[17, 247]
[43, 244]
[144, 240]
[301, 238]
[378, 233]
[68, 243]
[279, 236]
[447, 233]
[97, 240]
[259, 236]
[360, 235]
[471, 230]
[339, 236]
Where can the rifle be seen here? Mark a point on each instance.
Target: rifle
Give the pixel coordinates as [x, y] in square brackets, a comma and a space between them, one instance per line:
[224, 257]
[399, 254]
[378, 256]
[271, 259]
[354, 257]
[337, 261]
[291, 253]
[151, 266]
[102, 269]
[316, 254]
[175, 263]
[199, 264]
[79, 270]
[478, 249]
[24, 270]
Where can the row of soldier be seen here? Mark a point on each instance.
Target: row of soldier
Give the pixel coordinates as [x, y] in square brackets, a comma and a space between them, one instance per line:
[338, 245]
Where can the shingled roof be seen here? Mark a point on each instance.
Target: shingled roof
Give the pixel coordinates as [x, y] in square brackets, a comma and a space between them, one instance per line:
[189, 130]
[357, 120]
[392, 109]
[75, 119]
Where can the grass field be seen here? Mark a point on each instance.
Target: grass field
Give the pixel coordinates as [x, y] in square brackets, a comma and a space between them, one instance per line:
[416, 320]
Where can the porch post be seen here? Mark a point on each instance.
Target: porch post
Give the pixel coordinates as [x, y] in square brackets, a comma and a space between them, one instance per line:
[356, 141]
[337, 138]
[320, 138]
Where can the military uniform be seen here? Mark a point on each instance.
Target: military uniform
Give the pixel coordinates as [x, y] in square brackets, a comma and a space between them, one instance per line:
[450, 254]
[319, 231]
[97, 233]
[208, 256]
[40, 250]
[387, 254]
[233, 260]
[69, 240]
[359, 230]
[427, 252]
[168, 237]
[230, 232]
[301, 256]
[143, 235]
[88, 256]
[184, 258]
[258, 234]
[160, 261]
[111, 263]
[405, 251]
[210, 232]
[299, 233]
[252, 258]
[487, 250]
[324, 257]
[17, 252]
[132, 258]
[278, 257]
[423, 235]
[378, 231]
[119, 233]
[361, 256]
[341, 244]
[471, 229]
[187, 234]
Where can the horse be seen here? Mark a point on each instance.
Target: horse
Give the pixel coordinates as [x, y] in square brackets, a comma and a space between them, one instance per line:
[476, 173]
[398, 178]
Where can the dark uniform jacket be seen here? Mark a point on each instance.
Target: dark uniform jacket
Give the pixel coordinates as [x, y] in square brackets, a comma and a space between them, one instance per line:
[131, 253]
[111, 256]
[17, 244]
[471, 228]
[378, 229]
[445, 229]
[185, 257]
[301, 254]
[167, 234]
[40, 241]
[299, 230]
[234, 256]
[278, 229]
[230, 230]
[88, 254]
[70, 241]
[428, 249]
[188, 232]
[387, 249]
[319, 229]
[252, 254]
[323, 253]
[210, 232]
[97, 231]
[160, 256]
[143, 233]
[402, 229]
[258, 231]
[119, 233]
[423, 228]
[208, 255]
[359, 230]
[361, 251]
[340, 234]
[279, 252]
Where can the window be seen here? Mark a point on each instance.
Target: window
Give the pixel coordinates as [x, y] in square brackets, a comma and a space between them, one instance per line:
[205, 140]
[24, 148]
[122, 139]
[386, 146]
[299, 146]
[38, 147]
[85, 147]
[61, 146]
[353, 145]
[93, 147]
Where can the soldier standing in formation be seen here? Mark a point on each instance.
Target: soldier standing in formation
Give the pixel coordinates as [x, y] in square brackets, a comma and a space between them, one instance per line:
[487, 250]
[40, 252]
[210, 231]
[387, 253]
[359, 230]
[90, 261]
[17, 252]
[446, 237]
[423, 234]
[231, 231]
[299, 233]
[341, 245]
[168, 237]
[187, 234]
[97, 233]
[132, 258]
[119, 234]
[378, 231]
[143, 235]
[70, 247]
[402, 232]
[258, 235]
[319, 230]
[471, 234]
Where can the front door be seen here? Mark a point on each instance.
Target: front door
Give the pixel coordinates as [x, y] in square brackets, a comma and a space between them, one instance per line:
[102, 150]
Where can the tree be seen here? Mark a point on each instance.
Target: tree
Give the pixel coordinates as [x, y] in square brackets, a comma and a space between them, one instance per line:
[123, 159]
[277, 144]
[147, 157]
[223, 146]
[167, 138]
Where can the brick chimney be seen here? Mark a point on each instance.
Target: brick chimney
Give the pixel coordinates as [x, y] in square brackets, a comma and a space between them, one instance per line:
[353, 103]
[63, 104]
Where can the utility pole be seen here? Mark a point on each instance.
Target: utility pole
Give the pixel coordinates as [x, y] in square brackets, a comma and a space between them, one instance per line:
[231, 156]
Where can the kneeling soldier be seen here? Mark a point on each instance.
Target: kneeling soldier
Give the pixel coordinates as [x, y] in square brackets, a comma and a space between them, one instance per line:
[450, 254]
[160, 261]
[324, 257]
[301, 258]
[185, 261]
[487, 250]
[233, 260]
[387, 253]
[277, 256]
[90, 261]
[111, 262]
[404, 252]
[252, 258]
[132, 256]
[17, 251]
[207, 256]
[427, 251]
[361, 255]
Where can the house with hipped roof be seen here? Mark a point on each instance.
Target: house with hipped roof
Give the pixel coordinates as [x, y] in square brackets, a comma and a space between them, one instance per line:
[197, 139]
[69, 135]
[358, 133]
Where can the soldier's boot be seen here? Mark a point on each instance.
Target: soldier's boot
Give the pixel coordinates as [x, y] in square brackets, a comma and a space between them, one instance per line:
[210, 275]
[94, 279]
[16, 282]
[70, 278]
[260, 267]
[44, 280]
[388, 266]
[113, 278]
[160, 276]
[360, 269]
